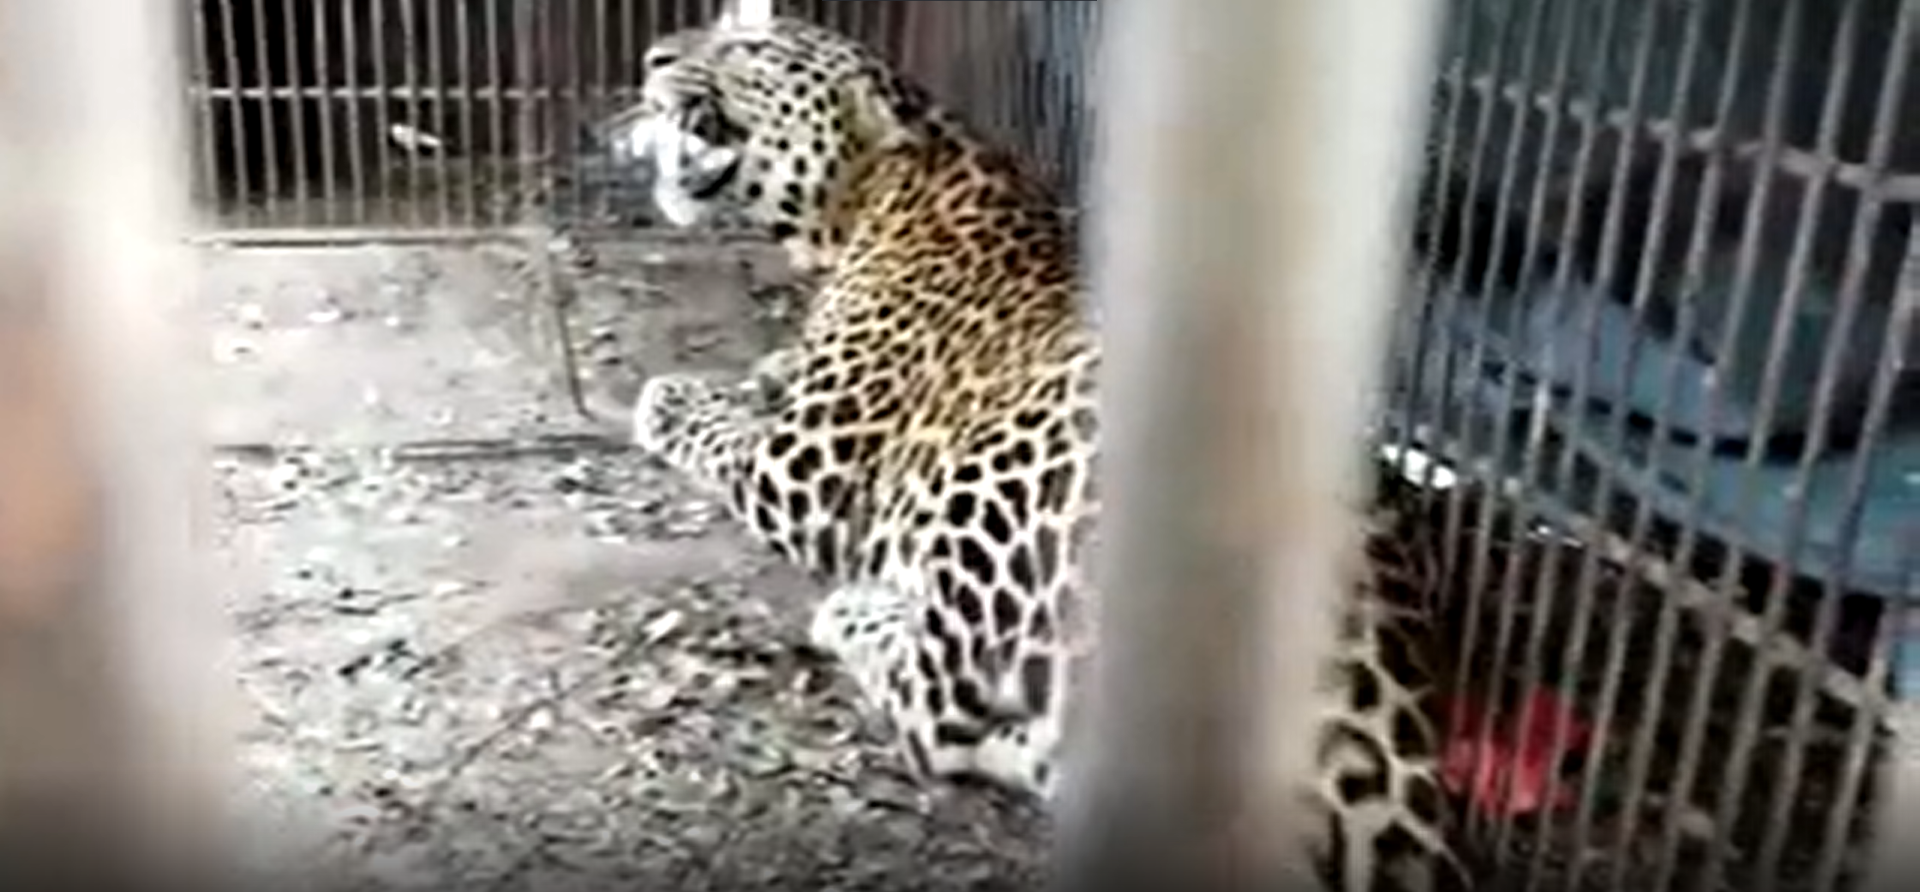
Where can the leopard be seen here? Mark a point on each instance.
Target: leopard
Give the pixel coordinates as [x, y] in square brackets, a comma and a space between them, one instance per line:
[930, 447]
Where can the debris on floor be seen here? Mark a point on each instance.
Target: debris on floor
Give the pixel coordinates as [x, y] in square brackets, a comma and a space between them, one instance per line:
[418, 721]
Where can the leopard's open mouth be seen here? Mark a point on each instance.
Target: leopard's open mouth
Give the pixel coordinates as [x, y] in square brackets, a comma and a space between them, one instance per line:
[709, 184]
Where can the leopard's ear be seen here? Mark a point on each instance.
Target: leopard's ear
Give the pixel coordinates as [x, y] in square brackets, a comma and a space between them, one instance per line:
[878, 113]
[744, 14]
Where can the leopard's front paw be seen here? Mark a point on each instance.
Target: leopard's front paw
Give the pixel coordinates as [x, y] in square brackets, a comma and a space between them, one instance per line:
[661, 413]
[770, 381]
[779, 367]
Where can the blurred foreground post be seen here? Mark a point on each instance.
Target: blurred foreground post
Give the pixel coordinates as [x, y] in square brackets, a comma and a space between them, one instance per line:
[1245, 207]
[108, 718]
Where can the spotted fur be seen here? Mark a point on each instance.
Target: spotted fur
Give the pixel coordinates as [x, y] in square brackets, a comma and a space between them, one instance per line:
[932, 453]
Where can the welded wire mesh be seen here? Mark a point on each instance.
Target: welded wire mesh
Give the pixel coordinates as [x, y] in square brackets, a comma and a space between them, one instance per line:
[1662, 332]
[1666, 303]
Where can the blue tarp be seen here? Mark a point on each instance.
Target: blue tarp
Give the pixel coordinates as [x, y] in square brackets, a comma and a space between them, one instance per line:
[1542, 342]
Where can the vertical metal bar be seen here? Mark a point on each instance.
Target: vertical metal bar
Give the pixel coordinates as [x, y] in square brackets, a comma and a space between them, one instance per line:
[200, 75]
[1039, 56]
[1065, 41]
[560, 64]
[1462, 440]
[1784, 57]
[236, 115]
[1278, 247]
[1746, 729]
[1076, 25]
[500, 157]
[385, 200]
[1899, 801]
[912, 52]
[324, 99]
[1481, 559]
[889, 14]
[847, 17]
[1643, 748]
[435, 95]
[410, 72]
[112, 727]
[563, 34]
[627, 47]
[1439, 302]
[1500, 436]
[524, 182]
[1019, 75]
[1548, 570]
[1044, 76]
[1072, 27]
[1021, 70]
[296, 106]
[1042, 73]
[980, 66]
[269, 131]
[983, 66]
[1894, 806]
[469, 144]
[355, 110]
[1009, 83]
[854, 18]
[602, 83]
[1894, 860]
[653, 31]
[576, 35]
[1897, 336]
[1867, 220]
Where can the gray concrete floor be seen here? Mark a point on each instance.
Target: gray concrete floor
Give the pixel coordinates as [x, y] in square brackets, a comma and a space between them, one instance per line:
[393, 443]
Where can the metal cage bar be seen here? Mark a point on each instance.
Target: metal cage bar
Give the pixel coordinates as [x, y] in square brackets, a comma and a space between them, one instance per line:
[1245, 249]
[465, 117]
[111, 727]
[1698, 174]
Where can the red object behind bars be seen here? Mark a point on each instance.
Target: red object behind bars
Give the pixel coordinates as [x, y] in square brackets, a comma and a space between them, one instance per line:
[1479, 764]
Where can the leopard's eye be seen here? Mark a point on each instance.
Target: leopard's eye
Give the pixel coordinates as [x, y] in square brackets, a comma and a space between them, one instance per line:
[659, 57]
[702, 117]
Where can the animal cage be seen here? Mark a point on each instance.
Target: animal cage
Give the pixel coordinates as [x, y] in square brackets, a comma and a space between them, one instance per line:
[1657, 353]
[473, 118]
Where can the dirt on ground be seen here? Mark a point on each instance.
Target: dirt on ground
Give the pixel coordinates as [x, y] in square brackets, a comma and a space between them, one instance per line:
[394, 440]
[401, 469]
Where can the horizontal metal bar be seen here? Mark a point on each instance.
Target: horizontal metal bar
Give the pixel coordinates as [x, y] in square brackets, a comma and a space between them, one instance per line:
[1885, 185]
[353, 235]
[316, 236]
[668, 235]
[1689, 593]
[438, 449]
[453, 92]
